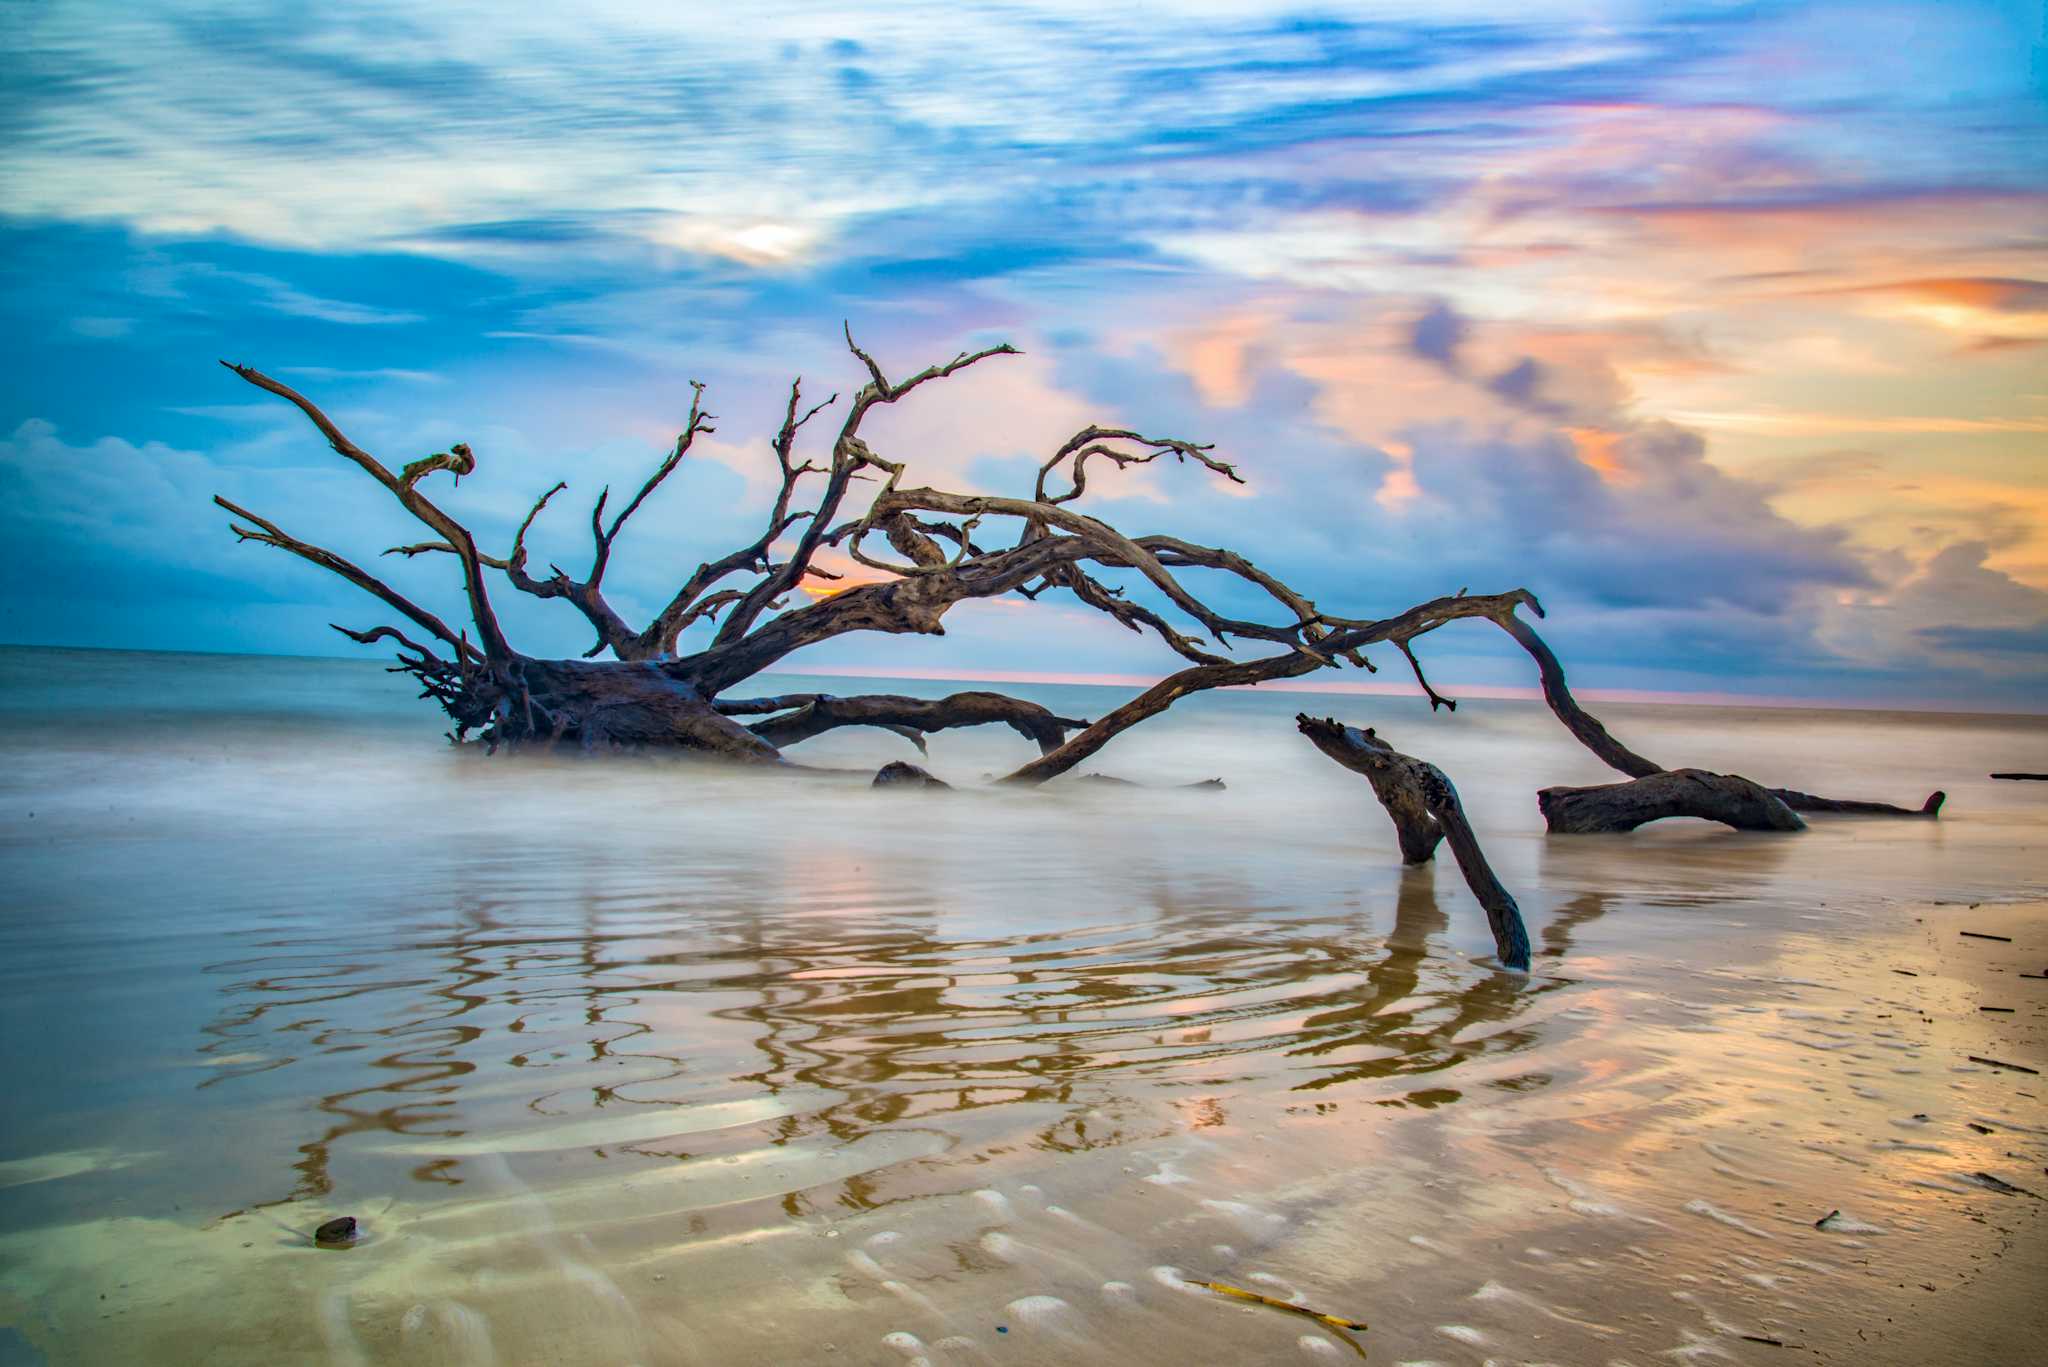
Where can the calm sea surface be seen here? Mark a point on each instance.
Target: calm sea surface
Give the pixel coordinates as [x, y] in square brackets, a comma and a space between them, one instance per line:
[628, 1061]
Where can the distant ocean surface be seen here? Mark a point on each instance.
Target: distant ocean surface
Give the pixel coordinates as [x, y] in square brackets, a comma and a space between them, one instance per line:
[641, 1060]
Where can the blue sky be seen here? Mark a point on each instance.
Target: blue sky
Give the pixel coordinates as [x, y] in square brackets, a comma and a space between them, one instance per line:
[1722, 327]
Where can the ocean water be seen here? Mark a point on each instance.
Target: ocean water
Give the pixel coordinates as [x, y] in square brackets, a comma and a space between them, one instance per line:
[651, 1061]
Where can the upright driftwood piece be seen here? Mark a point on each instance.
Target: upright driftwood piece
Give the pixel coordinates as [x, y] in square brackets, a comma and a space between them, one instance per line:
[1425, 809]
[1398, 780]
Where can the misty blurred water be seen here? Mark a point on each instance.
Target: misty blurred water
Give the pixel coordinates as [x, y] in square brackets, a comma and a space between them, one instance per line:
[270, 949]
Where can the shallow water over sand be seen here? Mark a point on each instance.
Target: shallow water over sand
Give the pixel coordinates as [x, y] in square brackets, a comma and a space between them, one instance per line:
[629, 1062]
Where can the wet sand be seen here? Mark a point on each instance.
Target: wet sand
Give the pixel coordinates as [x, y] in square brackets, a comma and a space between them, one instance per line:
[1642, 1184]
[1990, 1309]
[794, 1072]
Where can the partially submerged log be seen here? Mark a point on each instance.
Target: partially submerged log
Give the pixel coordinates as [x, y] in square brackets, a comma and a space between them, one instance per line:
[1212, 785]
[1610, 807]
[804, 715]
[1807, 802]
[1589, 731]
[1425, 809]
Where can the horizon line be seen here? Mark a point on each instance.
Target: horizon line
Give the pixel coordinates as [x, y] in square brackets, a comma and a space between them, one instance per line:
[1341, 687]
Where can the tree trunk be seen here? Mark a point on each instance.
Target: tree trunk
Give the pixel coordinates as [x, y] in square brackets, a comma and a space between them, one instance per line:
[617, 704]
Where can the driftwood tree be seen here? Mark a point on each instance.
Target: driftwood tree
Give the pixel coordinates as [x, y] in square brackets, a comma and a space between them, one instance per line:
[943, 548]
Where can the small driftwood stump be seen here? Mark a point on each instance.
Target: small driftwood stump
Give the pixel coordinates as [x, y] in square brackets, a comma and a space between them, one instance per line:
[898, 774]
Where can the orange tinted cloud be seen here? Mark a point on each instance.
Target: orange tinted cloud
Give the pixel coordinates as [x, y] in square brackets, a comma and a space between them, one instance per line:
[1993, 294]
[851, 572]
[1995, 311]
[1598, 450]
[1857, 231]
[1825, 424]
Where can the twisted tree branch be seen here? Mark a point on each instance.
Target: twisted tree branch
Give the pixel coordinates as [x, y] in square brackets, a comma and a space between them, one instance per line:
[404, 489]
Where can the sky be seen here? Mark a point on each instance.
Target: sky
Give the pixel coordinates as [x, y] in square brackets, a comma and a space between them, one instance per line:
[1721, 327]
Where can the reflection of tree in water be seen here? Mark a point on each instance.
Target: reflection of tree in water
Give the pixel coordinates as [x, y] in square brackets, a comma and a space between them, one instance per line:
[1087, 1027]
[1401, 1022]
[866, 1023]
[446, 994]
[1557, 936]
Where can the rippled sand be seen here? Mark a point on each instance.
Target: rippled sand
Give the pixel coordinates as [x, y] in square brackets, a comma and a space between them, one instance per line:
[643, 1063]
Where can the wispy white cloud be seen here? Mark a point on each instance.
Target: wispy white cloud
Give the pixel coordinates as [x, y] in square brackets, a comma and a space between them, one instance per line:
[756, 133]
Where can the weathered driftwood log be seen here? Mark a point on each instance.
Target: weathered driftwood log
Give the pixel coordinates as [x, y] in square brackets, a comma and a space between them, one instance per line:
[1589, 732]
[1425, 808]
[1727, 798]
[1211, 785]
[803, 715]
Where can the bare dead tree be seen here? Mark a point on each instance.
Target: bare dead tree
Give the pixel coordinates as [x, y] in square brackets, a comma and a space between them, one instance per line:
[942, 548]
